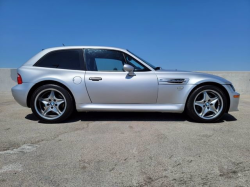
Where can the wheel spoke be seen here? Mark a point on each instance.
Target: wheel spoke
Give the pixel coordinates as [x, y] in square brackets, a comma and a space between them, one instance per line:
[205, 96]
[214, 100]
[204, 111]
[55, 110]
[46, 110]
[213, 109]
[59, 101]
[58, 110]
[199, 103]
[52, 95]
[44, 101]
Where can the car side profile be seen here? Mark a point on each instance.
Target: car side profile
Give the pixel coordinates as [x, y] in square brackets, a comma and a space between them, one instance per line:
[56, 81]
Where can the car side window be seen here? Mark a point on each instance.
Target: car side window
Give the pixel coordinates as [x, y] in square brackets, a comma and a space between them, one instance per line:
[104, 60]
[62, 59]
[135, 63]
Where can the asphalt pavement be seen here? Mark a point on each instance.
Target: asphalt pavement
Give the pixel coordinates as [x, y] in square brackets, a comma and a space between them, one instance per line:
[123, 149]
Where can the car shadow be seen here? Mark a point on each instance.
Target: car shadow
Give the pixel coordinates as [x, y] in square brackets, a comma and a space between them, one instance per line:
[130, 116]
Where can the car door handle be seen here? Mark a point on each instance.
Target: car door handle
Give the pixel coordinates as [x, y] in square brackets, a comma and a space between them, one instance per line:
[95, 78]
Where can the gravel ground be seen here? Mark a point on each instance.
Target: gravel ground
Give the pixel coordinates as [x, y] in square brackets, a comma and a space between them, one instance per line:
[123, 149]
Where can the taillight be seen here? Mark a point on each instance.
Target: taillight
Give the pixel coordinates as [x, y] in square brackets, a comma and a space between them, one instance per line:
[19, 79]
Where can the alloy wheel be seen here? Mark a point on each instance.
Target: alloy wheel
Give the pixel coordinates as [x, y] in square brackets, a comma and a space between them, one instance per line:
[50, 104]
[208, 104]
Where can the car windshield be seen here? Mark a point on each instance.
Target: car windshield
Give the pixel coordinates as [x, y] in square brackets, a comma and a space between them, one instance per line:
[152, 66]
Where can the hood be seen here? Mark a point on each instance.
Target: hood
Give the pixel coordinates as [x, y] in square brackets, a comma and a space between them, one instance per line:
[194, 77]
[171, 70]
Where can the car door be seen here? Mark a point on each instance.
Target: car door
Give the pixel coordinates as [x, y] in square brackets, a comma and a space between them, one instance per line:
[108, 83]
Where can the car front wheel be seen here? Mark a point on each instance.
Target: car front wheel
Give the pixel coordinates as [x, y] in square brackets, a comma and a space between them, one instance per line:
[207, 103]
[52, 103]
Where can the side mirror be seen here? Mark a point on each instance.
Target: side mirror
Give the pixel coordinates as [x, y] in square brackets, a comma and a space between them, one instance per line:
[129, 69]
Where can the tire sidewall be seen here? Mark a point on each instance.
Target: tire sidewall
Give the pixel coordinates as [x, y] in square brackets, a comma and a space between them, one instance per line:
[69, 107]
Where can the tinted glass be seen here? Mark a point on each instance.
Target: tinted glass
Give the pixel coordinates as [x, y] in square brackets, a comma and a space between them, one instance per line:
[63, 59]
[137, 65]
[104, 60]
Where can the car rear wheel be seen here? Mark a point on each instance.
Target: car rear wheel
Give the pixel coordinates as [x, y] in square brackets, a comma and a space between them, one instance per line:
[52, 103]
[207, 103]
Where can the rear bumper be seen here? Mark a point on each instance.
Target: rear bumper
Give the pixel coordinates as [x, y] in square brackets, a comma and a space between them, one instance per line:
[234, 102]
[20, 93]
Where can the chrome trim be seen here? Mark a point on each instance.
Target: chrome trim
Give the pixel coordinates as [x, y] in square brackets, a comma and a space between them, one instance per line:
[172, 80]
[95, 78]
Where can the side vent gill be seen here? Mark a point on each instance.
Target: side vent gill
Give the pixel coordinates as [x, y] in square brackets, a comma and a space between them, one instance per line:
[176, 80]
[173, 81]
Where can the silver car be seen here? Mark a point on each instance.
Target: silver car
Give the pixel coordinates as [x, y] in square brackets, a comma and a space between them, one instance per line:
[59, 80]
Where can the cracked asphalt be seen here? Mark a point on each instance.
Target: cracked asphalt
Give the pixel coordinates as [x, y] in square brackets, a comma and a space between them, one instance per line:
[123, 149]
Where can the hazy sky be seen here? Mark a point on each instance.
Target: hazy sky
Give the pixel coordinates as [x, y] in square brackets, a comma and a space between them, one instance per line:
[176, 34]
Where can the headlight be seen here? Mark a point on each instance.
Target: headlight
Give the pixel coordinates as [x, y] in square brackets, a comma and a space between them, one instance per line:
[232, 87]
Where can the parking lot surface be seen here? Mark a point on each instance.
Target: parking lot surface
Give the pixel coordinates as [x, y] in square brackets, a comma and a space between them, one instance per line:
[123, 149]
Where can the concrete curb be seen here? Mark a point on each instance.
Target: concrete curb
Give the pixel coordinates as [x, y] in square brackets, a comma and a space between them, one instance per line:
[240, 79]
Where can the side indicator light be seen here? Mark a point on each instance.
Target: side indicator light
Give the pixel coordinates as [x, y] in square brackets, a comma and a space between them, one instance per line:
[236, 96]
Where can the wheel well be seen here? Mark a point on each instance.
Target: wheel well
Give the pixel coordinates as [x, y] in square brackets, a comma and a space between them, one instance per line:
[215, 84]
[43, 83]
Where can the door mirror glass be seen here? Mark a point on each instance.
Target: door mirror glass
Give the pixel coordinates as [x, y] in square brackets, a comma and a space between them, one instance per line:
[137, 65]
[129, 69]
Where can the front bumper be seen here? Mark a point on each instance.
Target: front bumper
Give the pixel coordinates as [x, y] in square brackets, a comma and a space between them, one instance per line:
[20, 93]
[234, 102]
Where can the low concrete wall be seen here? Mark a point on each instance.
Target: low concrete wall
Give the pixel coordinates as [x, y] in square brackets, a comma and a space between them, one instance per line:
[8, 79]
[240, 79]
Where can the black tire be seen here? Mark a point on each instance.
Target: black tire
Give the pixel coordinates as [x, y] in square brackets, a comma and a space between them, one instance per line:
[191, 109]
[69, 106]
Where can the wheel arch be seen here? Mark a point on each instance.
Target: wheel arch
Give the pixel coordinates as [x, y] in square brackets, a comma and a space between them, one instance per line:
[41, 83]
[214, 84]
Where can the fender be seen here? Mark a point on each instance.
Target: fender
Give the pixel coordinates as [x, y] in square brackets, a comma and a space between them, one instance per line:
[65, 78]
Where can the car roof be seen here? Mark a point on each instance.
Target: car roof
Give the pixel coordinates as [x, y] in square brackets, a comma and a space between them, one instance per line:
[80, 47]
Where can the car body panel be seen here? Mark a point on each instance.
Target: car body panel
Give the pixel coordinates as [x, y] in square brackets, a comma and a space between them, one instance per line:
[36, 75]
[174, 108]
[120, 88]
[117, 91]
[20, 93]
[177, 93]
[173, 94]
[234, 102]
[194, 77]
